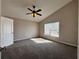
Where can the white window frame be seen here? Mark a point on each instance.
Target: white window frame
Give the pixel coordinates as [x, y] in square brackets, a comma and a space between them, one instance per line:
[52, 28]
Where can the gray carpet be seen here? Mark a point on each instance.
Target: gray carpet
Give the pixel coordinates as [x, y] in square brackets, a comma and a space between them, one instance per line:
[29, 49]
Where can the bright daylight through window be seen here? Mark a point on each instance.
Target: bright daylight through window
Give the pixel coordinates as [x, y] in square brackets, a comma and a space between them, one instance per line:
[51, 29]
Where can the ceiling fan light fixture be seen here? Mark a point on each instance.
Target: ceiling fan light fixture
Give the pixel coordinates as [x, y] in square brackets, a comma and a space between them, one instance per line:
[34, 14]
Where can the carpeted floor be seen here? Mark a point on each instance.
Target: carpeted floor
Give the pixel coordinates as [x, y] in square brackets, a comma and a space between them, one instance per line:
[39, 49]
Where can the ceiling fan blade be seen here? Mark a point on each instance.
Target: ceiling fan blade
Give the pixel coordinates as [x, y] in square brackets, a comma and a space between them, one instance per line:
[28, 13]
[39, 14]
[38, 10]
[29, 9]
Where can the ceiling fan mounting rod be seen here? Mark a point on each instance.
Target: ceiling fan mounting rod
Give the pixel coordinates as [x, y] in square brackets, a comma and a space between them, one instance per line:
[34, 2]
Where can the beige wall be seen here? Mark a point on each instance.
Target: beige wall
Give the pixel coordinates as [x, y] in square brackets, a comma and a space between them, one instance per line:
[0, 20]
[24, 29]
[0, 26]
[78, 29]
[68, 18]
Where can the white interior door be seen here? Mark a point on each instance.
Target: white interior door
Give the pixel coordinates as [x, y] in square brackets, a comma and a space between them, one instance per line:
[7, 32]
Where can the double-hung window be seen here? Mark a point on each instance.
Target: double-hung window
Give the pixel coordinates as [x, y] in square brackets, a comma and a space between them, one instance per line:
[52, 29]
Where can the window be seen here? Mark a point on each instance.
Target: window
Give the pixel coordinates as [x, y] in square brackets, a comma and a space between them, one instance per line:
[52, 29]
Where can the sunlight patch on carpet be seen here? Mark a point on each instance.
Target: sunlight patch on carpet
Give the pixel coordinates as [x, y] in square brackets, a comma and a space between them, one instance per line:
[40, 40]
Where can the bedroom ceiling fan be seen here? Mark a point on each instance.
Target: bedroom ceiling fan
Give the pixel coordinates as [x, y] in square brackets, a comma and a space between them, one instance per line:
[34, 12]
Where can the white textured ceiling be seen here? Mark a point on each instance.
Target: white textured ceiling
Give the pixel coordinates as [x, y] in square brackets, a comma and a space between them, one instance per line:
[18, 8]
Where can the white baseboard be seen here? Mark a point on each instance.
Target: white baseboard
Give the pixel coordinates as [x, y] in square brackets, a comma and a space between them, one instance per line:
[74, 45]
[18, 40]
[68, 44]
